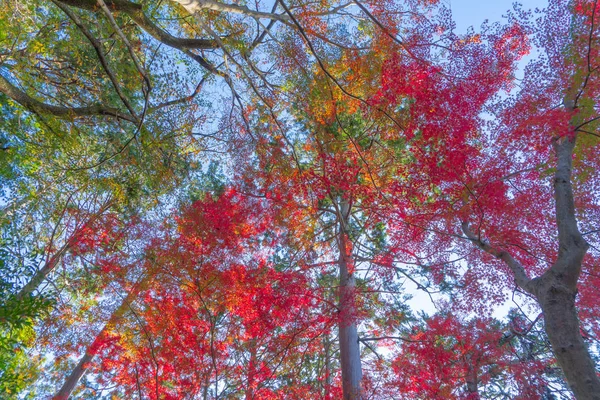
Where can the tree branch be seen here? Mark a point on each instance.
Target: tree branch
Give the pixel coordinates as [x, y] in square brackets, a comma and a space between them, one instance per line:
[62, 112]
[135, 12]
[571, 244]
[517, 269]
[134, 57]
[101, 56]
[373, 339]
[185, 99]
[193, 6]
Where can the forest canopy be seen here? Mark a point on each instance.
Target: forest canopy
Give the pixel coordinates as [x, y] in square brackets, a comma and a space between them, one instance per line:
[295, 199]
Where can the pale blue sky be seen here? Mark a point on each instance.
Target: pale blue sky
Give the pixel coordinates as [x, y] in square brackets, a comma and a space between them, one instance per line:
[473, 12]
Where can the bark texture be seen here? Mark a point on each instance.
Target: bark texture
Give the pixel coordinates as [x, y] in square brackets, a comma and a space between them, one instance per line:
[348, 334]
[562, 326]
[67, 388]
[557, 288]
[30, 103]
[472, 380]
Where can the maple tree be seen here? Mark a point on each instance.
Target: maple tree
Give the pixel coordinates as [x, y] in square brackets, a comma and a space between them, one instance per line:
[518, 188]
[331, 171]
[200, 295]
[449, 359]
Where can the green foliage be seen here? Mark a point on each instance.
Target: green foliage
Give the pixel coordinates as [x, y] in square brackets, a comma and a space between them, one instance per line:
[211, 181]
[18, 367]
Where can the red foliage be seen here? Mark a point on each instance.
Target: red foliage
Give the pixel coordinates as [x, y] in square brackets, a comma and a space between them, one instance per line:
[449, 359]
[208, 322]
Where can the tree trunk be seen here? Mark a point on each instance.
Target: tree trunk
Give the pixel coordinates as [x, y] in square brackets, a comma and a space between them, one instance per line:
[252, 366]
[327, 382]
[41, 274]
[562, 326]
[348, 334]
[556, 289]
[472, 379]
[81, 368]
[53, 261]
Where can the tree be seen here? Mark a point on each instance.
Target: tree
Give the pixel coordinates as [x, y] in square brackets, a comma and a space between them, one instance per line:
[197, 292]
[499, 188]
[449, 358]
[561, 115]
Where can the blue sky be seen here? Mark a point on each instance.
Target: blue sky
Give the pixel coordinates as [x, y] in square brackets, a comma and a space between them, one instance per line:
[473, 12]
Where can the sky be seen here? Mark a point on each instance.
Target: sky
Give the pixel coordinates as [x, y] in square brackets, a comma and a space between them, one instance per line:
[473, 12]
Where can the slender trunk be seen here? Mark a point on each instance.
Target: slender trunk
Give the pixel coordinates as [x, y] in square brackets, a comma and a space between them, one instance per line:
[40, 275]
[348, 334]
[206, 388]
[327, 345]
[472, 379]
[252, 364]
[53, 261]
[81, 368]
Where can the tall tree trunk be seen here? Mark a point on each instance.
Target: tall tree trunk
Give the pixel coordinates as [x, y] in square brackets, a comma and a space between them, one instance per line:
[327, 382]
[252, 365]
[41, 274]
[472, 379]
[557, 287]
[348, 334]
[81, 368]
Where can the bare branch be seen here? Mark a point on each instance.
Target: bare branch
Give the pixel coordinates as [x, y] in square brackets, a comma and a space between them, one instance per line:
[100, 53]
[135, 12]
[194, 6]
[185, 99]
[590, 232]
[373, 339]
[134, 57]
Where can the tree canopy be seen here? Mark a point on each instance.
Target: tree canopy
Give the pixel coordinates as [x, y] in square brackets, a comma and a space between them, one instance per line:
[204, 199]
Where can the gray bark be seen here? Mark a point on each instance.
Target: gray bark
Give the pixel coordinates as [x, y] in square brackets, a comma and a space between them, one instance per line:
[42, 273]
[348, 334]
[562, 326]
[80, 369]
[136, 13]
[557, 288]
[30, 103]
[194, 6]
[472, 379]
[328, 377]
